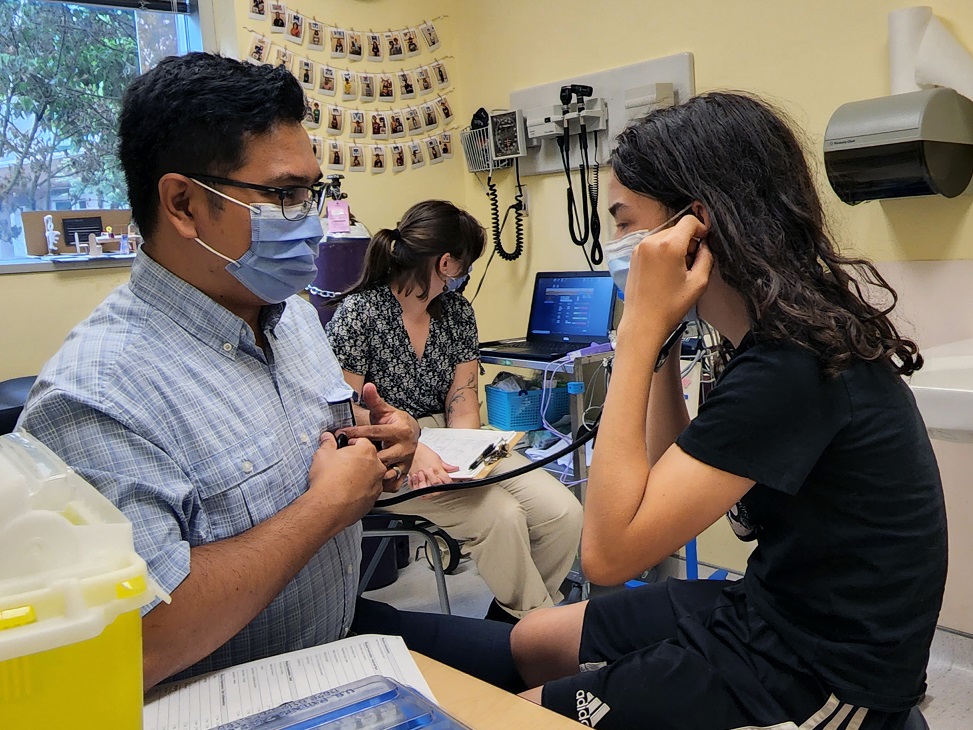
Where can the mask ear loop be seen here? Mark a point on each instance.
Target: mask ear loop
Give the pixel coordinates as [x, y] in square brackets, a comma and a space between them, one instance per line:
[249, 207]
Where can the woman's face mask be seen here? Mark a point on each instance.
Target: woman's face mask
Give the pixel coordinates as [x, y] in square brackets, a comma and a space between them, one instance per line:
[281, 259]
[455, 282]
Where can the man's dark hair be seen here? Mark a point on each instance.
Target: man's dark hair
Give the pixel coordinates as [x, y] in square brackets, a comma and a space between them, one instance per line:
[196, 113]
[740, 158]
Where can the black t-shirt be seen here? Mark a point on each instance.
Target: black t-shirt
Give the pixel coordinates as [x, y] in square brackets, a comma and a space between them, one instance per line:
[847, 511]
[369, 338]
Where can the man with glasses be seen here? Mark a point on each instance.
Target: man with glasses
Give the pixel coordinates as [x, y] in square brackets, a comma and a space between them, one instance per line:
[202, 397]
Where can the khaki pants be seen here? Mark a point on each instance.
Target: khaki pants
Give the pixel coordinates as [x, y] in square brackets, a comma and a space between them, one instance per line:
[523, 533]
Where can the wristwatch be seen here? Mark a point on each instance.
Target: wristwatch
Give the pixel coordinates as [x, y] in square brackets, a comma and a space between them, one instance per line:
[671, 341]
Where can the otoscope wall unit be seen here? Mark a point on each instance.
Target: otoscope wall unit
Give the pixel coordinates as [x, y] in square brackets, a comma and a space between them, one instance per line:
[618, 96]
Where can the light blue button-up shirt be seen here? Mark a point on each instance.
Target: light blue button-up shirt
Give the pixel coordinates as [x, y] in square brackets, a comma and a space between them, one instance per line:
[163, 401]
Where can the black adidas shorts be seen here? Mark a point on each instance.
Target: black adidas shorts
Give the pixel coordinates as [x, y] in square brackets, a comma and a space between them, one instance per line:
[651, 658]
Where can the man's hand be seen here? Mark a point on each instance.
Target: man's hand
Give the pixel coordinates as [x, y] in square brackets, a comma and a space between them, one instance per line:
[396, 430]
[349, 480]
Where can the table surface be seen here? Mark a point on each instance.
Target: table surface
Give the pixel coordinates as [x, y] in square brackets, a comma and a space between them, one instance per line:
[483, 706]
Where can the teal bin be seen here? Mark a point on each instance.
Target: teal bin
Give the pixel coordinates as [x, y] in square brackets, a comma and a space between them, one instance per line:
[521, 411]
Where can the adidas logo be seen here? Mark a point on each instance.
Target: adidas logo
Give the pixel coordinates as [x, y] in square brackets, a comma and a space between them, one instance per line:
[590, 709]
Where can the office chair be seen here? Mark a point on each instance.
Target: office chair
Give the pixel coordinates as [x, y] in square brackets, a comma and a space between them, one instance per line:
[13, 396]
[404, 526]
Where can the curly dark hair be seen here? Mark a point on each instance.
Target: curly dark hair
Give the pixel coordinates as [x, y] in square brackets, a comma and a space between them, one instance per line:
[197, 112]
[738, 157]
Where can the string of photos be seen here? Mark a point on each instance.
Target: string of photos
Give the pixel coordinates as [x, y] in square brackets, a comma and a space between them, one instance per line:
[427, 83]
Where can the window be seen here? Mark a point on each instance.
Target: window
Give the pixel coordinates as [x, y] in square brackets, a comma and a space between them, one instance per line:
[63, 69]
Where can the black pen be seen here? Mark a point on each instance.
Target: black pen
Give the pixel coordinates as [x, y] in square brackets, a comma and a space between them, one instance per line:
[479, 459]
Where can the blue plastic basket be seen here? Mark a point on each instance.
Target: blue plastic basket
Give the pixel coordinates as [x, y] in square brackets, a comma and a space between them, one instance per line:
[521, 411]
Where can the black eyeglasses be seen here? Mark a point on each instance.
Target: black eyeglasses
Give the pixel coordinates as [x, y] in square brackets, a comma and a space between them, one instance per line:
[296, 201]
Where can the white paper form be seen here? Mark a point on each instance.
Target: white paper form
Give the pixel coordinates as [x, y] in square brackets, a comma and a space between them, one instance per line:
[462, 446]
[230, 694]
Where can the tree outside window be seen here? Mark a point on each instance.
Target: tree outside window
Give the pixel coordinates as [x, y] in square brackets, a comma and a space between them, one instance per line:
[63, 70]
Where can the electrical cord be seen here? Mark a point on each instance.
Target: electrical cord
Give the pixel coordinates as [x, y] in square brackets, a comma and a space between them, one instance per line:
[597, 254]
[520, 471]
[517, 207]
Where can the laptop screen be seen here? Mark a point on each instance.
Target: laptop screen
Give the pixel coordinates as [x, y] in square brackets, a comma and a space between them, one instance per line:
[571, 306]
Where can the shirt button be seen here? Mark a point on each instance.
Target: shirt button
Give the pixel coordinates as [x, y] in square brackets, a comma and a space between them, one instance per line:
[247, 466]
[350, 569]
[304, 438]
[227, 347]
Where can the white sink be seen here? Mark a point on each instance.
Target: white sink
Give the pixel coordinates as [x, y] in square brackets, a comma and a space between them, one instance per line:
[944, 391]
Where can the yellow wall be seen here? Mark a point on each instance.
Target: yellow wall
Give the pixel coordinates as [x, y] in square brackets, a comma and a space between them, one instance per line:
[40, 309]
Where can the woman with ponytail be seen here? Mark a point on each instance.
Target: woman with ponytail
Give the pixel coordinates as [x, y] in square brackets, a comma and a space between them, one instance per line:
[405, 327]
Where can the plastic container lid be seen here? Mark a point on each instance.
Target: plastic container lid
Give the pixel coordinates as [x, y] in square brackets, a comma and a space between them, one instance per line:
[68, 565]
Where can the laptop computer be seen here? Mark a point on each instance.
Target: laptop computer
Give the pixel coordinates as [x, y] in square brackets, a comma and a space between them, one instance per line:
[569, 310]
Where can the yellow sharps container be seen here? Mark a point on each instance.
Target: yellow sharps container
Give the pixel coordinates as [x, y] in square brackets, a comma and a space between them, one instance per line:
[71, 586]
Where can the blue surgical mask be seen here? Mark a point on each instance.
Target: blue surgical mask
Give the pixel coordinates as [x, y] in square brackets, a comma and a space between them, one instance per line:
[281, 259]
[455, 282]
[618, 253]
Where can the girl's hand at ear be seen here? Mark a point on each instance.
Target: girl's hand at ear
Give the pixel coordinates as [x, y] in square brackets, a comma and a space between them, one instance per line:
[669, 273]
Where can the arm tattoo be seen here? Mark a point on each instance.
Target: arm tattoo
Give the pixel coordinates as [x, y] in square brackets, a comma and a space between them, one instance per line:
[459, 396]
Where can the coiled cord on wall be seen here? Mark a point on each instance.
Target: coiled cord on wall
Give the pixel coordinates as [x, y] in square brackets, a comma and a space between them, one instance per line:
[517, 208]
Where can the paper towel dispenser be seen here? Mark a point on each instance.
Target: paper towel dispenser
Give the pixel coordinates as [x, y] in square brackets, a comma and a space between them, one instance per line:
[920, 143]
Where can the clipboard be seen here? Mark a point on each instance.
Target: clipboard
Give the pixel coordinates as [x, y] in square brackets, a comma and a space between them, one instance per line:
[461, 446]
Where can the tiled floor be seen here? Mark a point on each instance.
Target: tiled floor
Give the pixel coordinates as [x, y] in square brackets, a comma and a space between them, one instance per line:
[949, 700]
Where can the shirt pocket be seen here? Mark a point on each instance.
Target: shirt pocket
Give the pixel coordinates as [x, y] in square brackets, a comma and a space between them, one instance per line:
[242, 485]
[336, 400]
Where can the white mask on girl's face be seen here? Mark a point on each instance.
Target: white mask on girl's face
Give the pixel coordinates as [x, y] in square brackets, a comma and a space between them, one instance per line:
[618, 253]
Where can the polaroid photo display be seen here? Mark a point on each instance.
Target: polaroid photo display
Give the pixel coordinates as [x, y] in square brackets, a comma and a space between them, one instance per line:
[326, 80]
[258, 9]
[424, 80]
[295, 27]
[446, 145]
[356, 158]
[396, 124]
[445, 109]
[366, 87]
[278, 17]
[283, 57]
[336, 119]
[305, 73]
[317, 147]
[410, 39]
[373, 47]
[413, 121]
[393, 43]
[428, 31]
[379, 124]
[378, 158]
[429, 118]
[356, 124]
[259, 46]
[386, 88]
[407, 85]
[315, 35]
[339, 49]
[435, 152]
[397, 157]
[336, 155]
[349, 85]
[312, 115]
[355, 49]
[416, 158]
[439, 74]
